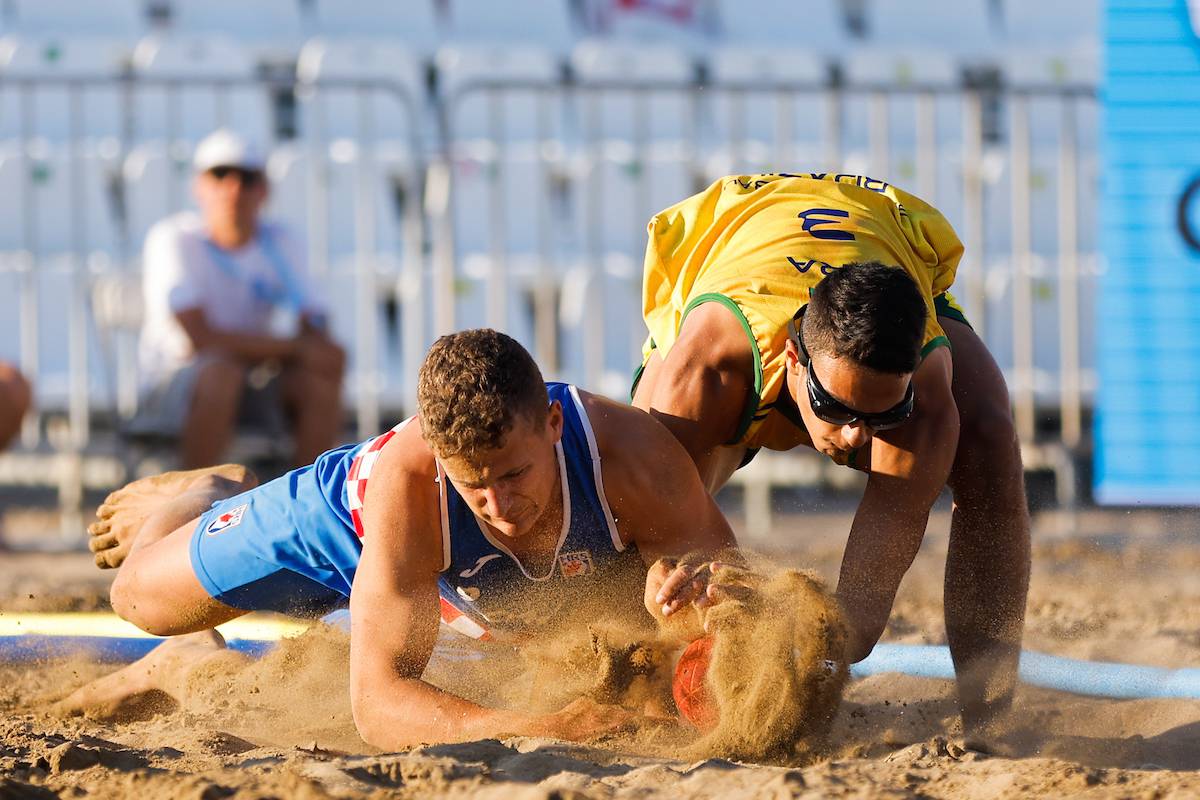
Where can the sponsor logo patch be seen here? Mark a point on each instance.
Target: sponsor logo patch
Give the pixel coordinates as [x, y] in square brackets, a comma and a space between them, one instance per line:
[575, 564]
[470, 573]
[230, 519]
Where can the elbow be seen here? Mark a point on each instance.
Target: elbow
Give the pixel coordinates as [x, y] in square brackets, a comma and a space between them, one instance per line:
[862, 640]
[371, 726]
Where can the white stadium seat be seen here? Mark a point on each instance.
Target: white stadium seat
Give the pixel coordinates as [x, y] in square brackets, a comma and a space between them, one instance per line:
[510, 198]
[525, 113]
[616, 195]
[810, 27]
[864, 127]
[332, 112]
[270, 27]
[52, 193]
[1049, 66]
[412, 22]
[215, 89]
[59, 59]
[546, 23]
[963, 28]
[1062, 22]
[690, 24]
[662, 108]
[767, 118]
[114, 19]
[391, 180]
[158, 183]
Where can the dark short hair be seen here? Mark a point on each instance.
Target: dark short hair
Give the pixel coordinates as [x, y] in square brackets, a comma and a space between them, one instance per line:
[870, 313]
[472, 387]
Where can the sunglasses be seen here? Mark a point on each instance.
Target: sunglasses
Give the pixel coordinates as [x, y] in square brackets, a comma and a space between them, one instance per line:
[828, 408]
[246, 177]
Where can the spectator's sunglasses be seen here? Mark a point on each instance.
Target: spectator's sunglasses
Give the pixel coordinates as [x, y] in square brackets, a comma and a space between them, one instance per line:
[246, 177]
[828, 408]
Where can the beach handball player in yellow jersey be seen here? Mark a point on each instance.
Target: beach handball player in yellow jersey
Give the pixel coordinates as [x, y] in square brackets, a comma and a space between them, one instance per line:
[814, 309]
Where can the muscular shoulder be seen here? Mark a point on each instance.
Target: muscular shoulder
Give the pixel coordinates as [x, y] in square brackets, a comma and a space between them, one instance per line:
[403, 489]
[713, 338]
[637, 452]
[701, 388]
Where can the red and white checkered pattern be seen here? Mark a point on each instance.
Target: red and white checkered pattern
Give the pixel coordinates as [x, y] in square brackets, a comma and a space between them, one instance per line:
[356, 492]
[360, 471]
[457, 620]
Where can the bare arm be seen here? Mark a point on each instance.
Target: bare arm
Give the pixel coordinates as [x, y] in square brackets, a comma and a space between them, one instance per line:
[394, 611]
[658, 501]
[700, 390]
[249, 347]
[909, 467]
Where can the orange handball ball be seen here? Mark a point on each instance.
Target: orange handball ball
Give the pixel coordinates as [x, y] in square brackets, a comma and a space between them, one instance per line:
[692, 698]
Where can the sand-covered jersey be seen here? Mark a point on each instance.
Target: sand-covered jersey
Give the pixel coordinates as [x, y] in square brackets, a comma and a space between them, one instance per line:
[293, 545]
[758, 244]
[480, 574]
[485, 581]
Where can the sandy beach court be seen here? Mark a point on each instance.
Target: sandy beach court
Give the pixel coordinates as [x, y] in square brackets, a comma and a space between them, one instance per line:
[1106, 586]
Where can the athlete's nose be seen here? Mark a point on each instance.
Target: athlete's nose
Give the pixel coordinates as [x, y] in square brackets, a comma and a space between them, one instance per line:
[496, 502]
[856, 435]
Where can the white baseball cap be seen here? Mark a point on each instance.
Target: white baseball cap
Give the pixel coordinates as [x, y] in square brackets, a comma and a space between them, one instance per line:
[225, 148]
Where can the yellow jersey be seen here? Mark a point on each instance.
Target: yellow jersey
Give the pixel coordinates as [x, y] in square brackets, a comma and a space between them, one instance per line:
[758, 244]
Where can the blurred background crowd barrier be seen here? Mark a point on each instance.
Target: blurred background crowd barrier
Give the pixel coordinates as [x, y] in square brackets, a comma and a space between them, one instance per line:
[471, 162]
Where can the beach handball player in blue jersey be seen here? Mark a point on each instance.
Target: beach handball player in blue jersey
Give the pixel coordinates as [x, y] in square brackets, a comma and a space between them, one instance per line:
[507, 508]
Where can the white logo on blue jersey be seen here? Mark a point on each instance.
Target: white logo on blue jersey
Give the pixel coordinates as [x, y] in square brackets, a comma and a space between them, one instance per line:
[470, 573]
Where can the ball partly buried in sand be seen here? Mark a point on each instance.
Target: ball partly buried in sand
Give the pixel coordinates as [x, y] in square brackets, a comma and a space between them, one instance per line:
[692, 697]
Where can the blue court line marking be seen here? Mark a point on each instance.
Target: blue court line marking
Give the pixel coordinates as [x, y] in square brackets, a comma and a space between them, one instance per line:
[1100, 679]
[32, 637]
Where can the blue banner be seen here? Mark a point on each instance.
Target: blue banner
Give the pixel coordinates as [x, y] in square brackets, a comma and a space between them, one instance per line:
[1147, 426]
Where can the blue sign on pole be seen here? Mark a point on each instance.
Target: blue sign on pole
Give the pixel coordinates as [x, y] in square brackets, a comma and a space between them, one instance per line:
[1147, 428]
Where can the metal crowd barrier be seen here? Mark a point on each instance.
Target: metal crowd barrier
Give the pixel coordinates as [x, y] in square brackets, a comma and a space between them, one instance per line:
[561, 301]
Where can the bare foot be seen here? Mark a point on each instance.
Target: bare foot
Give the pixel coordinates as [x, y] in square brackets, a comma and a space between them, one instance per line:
[121, 515]
[154, 684]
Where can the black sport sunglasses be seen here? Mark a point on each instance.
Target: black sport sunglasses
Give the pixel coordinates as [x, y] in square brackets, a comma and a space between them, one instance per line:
[828, 408]
[247, 177]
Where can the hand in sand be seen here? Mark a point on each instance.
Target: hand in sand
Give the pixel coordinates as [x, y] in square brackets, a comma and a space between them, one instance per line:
[673, 584]
[584, 719]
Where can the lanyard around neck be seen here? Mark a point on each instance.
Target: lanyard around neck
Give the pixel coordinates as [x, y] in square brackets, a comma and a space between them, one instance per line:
[288, 292]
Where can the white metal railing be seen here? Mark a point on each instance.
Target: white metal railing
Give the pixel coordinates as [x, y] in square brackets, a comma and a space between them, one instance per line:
[563, 202]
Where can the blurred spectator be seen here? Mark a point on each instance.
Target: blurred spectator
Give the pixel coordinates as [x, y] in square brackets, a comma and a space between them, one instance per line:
[232, 329]
[15, 396]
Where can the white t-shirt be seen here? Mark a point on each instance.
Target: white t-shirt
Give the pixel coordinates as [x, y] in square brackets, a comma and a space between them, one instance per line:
[238, 290]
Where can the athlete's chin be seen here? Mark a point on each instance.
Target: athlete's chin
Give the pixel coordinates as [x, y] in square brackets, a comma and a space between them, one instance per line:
[511, 528]
[841, 457]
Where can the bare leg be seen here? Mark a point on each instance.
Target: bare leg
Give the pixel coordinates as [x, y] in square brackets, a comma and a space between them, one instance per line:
[987, 568]
[149, 530]
[156, 683]
[152, 507]
[212, 416]
[15, 397]
[312, 391]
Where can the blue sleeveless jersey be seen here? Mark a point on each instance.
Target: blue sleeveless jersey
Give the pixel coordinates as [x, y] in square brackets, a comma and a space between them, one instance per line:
[293, 544]
[481, 576]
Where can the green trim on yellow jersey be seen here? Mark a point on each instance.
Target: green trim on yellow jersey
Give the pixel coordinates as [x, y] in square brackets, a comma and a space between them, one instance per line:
[944, 305]
[637, 373]
[934, 344]
[751, 407]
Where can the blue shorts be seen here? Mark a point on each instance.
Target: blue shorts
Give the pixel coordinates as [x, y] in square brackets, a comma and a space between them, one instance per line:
[278, 547]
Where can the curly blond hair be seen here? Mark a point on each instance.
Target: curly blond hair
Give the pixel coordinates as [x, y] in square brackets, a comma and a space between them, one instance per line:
[471, 389]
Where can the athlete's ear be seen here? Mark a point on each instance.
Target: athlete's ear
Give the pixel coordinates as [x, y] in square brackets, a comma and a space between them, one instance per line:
[791, 357]
[554, 420]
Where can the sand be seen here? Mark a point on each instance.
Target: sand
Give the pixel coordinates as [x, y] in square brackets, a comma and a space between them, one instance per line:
[1112, 587]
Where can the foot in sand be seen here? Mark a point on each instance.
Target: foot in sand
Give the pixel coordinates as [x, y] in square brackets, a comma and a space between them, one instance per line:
[154, 684]
[122, 514]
